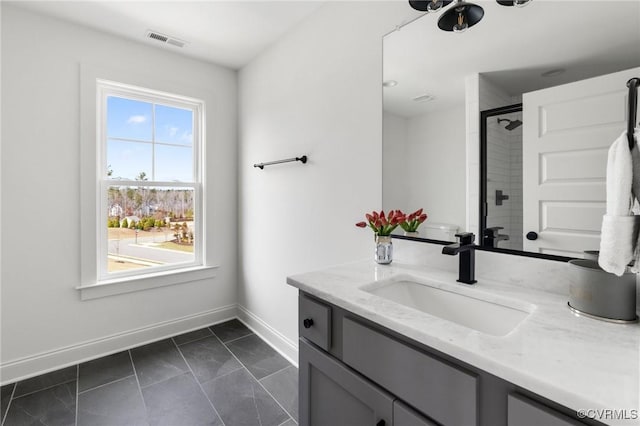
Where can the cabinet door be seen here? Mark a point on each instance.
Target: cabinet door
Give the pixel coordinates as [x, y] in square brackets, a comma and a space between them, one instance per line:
[403, 415]
[526, 412]
[332, 394]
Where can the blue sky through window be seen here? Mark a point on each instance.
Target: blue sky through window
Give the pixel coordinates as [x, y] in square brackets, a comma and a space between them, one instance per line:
[172, 151]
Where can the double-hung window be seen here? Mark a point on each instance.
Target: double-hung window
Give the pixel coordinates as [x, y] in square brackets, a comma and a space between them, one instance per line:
[150, 181]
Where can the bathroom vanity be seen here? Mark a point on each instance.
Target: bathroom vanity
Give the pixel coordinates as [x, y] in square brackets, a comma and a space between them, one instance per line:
[371, 353]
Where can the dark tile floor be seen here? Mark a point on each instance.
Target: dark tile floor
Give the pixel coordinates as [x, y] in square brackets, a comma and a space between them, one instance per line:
[221, 375]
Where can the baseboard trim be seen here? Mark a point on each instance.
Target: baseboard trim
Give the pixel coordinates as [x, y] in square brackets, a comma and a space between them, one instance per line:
[273, 337]
[45, 362]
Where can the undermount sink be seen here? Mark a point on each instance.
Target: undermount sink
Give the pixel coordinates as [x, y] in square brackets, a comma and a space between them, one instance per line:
[495, 315]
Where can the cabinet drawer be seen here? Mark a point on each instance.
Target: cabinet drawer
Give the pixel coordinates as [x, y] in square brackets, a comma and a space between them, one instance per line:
[443, 392]
[315, 321]
[523, 411]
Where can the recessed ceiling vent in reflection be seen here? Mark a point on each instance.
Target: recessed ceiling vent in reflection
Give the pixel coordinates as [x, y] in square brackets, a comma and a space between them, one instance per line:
[462, 15]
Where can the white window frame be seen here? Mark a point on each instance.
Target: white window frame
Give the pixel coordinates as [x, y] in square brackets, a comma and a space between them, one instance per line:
[106, 89]
[92, 224]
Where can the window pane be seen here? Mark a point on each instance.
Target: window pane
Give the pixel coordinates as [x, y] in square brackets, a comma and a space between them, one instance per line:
[128, 119]
[128, 160]
[174, 125]
[174, 163]
[149, 226]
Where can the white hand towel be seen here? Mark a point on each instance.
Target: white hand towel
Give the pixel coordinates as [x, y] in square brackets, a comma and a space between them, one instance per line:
[618, 242]
[619, 227]
[635, 158]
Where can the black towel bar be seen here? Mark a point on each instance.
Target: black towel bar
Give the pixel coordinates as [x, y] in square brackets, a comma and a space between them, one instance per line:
[302, 159]
[632, 84]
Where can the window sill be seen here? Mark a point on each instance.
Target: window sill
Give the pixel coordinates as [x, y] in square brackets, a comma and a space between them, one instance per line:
[144, 282]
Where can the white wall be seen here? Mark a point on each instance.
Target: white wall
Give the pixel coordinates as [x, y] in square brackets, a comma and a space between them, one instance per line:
[419, 153]
[395, 191]
[44, 323]
[316, 92]
[436, 165]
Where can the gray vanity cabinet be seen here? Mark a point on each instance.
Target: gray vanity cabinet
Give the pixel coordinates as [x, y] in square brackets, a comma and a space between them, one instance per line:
[353, 372]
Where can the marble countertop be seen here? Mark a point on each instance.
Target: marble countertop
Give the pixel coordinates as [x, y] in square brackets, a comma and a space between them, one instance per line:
[579, 362]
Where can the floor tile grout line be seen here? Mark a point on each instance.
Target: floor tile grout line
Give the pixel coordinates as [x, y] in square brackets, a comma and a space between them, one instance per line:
[258, 381]
[276, 372]
[135, 373]
[191, 341]
[4, 415]
[251, 333]
[199, 384]
[106, 384]
[40, 390]
[77, 390]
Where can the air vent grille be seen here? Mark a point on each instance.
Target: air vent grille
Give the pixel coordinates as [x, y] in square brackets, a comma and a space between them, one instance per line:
[165, 38]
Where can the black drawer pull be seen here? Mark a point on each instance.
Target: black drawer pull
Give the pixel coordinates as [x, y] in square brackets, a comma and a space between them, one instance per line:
[381, 423]
[532, 236]
[308, 322]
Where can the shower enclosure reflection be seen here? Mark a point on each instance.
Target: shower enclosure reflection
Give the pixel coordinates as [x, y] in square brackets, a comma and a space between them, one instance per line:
[502, 151]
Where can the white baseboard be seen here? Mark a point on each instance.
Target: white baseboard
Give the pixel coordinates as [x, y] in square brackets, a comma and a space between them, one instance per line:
[45, 362]
[273, 337]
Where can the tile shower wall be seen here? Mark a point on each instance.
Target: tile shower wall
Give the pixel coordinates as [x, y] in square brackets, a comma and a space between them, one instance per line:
[504, 160]
[482, 94]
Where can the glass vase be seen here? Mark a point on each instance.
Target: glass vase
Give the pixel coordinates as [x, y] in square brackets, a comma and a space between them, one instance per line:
[384, 249]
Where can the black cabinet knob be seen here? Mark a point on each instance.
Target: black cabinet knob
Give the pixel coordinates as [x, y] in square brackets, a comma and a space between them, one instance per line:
[532, 236]
[381, 423]
[308, 322]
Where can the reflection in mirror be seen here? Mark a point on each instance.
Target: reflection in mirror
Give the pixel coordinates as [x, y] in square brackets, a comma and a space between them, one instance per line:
[438, 84]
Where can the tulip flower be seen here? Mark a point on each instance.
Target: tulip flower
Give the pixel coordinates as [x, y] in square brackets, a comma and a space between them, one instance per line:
[413, 221]
[383, 224]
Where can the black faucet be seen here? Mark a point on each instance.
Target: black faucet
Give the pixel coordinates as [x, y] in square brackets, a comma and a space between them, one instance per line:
[492, 236]
[466, 249]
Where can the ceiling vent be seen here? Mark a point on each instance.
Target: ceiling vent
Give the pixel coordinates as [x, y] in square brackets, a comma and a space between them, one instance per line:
[163, 38]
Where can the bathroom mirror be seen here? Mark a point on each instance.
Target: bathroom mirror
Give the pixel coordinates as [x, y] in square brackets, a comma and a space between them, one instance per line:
[465, 114]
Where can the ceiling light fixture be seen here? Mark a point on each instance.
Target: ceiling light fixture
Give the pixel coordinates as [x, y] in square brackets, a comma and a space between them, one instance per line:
[516, 3]
[429, 5]
[462, 15]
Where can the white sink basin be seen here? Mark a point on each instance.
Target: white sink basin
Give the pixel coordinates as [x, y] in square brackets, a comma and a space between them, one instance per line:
[491, 315]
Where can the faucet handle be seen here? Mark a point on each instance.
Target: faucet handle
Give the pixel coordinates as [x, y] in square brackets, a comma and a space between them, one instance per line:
[466, 238]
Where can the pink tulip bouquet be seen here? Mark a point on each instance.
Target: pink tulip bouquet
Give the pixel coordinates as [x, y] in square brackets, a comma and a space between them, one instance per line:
[383, 225]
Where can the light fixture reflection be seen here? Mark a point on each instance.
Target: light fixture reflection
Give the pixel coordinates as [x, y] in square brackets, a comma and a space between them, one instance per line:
[460, 17]
[461, 25]
[429, 6]
[516, 3]
[434, 6]
[521, 3]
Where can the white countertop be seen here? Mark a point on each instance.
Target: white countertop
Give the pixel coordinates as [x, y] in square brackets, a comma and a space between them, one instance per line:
[579, 362]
